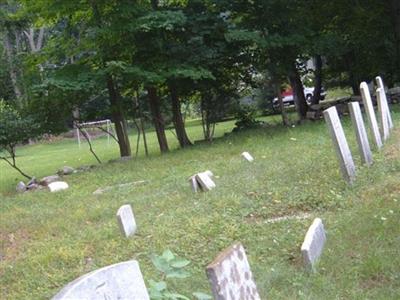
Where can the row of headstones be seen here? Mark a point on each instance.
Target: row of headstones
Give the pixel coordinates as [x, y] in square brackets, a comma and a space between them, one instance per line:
[379, 133]
[229, 274]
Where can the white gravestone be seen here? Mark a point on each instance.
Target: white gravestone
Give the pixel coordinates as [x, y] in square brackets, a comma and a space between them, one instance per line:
[380, 84]
[194, 183]
[361, 133]
[383, 115]
[205, 181]
[247, 156]
[120, 281]
[230, 276]
[340, 143]
[126, 220]
[57, 186]
[369, 108]
[313, 244]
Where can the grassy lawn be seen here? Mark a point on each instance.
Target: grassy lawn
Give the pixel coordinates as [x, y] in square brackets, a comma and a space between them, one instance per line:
[47, 240]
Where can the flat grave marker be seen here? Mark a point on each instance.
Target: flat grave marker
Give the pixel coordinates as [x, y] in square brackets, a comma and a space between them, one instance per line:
[369, 108]
[343, 153]
[57, 186]
[361, 133]
[119, 281]
[126, 220]
[230, 275]
[313, 244]
[205, 181]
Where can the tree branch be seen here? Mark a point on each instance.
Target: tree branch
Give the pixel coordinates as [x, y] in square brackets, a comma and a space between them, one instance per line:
[90, 144]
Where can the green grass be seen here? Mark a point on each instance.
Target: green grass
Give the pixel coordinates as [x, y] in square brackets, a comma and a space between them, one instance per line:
[49, 239]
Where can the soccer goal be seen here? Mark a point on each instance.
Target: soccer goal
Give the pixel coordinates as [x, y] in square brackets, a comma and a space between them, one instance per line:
[95, 124]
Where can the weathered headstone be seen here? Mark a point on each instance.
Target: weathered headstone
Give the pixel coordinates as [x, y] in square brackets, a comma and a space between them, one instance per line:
[57, 186]
[230, 275]
[383, 114]
[205, 181]
[380, 84]
[120, 281]
[373, 124]
[361, 133]
[126, 220]
[313, 244]
[247, 156]
[193, 183]
[340, 143]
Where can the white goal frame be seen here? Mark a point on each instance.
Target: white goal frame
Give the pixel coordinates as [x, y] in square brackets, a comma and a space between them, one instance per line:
[93, 124]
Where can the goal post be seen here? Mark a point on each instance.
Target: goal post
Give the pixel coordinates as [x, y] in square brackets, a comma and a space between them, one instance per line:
[94, 124]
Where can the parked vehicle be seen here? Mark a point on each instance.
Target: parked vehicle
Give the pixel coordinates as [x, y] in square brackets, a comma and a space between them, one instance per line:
[288, 99]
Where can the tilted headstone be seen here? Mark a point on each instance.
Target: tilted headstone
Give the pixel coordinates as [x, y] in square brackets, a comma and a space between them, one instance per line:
[120, 281]
[205, 181]
[343, 153]
[247, 156]
[57, 186]
[380, 84]
[126, 220]
[196, 185]
[313, 244]
[361, 133]
[193, 183]
[373, 124]
[383, 115]
[230, 275]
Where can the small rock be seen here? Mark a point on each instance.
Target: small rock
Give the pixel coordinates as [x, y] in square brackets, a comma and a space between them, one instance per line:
[58, 186]
[32, 187]
[49, 179]
[66, 171]
[21, 187]
[32, 181]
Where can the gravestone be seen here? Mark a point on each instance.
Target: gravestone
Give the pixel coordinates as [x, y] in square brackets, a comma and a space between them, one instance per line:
[366, 96]
[380, 84]
[193, 183]
[205, 181]
[383, 115]
[57, 186]
[247, 156]
[343, 153]
[126, 220]
[120, 281]
[361, 133]
[230, 275]
[313, 244]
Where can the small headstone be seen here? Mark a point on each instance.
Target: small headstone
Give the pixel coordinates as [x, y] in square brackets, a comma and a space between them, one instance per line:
[373, 124]
[340, 143]
[126, 220]
[230, 275]
[313, 244]
[120, 281]
[57, 186]
[383, 114]
[205, 181]
[49, 179]
[21, 187]
[193, 183]
[247, 156]
[380, 84]
[361, 133]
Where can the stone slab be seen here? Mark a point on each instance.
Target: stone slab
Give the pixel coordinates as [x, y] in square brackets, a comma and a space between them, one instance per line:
[361, 133]
[247, 156]
[380, 84]
[126, 220]
[383, 114]
[230, 275]
[343, 153]
[57, 186]
[205, 181]
[49, 179]
[369, 108]
[313, 244]
[119, 281]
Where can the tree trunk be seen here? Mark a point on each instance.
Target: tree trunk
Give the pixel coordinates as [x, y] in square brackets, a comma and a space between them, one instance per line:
[318, 80]
[118, 118]
[177, 118]
[285, 119]
[158, 120]
[298, 93]
[12, 69]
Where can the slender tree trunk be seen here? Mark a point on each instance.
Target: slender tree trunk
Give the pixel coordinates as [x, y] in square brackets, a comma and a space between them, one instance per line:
[158, 120]
[298, 93]
[12, 69]
[285, 119]
[177, 118]
[318, 80]
[118, 118]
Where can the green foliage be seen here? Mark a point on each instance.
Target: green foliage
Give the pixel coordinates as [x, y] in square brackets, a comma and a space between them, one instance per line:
[246, 118]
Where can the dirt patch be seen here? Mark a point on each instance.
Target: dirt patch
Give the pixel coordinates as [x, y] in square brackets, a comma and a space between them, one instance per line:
[376, 281]
[11, 244]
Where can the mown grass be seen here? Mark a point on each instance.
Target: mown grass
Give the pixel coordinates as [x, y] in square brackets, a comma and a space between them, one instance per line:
[49, 239]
